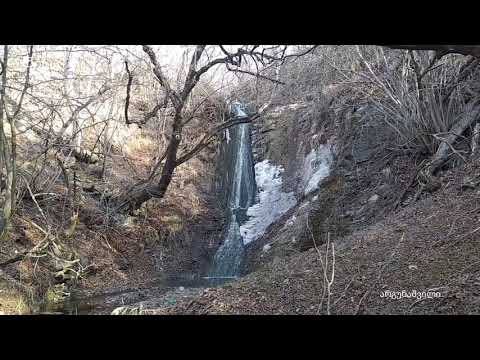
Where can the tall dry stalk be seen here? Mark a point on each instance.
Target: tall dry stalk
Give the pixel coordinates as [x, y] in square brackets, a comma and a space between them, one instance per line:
[327, 279]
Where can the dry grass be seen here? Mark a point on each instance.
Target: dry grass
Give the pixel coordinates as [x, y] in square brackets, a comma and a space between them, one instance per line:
[139, 146]
[12, 302]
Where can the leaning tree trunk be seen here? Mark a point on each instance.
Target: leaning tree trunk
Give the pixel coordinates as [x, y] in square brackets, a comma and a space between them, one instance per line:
[441, 156]
[134, 199]
[475, 138]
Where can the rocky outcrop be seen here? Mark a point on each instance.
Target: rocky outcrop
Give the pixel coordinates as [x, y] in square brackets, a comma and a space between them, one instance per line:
[287, 134]
[337, 165]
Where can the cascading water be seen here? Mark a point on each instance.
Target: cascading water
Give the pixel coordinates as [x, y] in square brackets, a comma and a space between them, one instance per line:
[241, 189]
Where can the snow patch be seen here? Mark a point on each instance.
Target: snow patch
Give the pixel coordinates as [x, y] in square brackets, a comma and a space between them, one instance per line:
[272, 205]
[290, 222]
[237, 109]
[316, 167]
[279, 110]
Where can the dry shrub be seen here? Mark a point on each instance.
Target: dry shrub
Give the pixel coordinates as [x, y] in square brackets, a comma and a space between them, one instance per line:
[384, 83]
[419, 111]
[305, 77]
[140, 145]
[13, 303]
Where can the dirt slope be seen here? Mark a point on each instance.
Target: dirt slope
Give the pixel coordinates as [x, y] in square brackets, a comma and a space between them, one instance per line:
[432, 244]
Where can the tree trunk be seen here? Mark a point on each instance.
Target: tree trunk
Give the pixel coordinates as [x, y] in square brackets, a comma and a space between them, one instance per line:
[134, 199]
[475, 138]
[5, 154]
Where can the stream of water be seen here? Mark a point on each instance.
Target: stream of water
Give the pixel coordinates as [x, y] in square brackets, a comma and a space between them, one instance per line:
[241, 189]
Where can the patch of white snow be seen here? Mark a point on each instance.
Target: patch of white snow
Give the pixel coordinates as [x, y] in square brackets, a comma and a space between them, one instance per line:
[316, 167]
[273, 202]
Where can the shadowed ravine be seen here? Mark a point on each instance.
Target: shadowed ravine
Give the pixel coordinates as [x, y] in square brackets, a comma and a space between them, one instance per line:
[239, 191]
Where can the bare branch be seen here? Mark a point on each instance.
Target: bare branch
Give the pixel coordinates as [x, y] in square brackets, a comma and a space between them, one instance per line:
[442, 50]
[148, 115]
[157, 70]
[256, 75]
[216, 131]
[309, 50]
[81, 107]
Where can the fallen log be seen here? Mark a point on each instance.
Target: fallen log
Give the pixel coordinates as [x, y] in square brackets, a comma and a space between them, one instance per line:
[14, 259]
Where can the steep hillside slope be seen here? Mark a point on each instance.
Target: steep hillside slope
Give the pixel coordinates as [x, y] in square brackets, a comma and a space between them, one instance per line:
[429, 250]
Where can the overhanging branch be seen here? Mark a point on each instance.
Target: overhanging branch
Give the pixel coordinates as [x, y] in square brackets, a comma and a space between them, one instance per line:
[203, 143]
[258, 75]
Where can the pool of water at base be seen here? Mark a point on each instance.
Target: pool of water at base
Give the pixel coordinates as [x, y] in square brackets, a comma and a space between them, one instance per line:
[82, 303]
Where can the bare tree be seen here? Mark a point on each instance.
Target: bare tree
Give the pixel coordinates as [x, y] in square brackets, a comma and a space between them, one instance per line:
[54, 107]
[260, 60]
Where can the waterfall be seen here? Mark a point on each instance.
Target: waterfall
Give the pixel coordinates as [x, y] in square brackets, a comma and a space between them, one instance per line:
[241, 189]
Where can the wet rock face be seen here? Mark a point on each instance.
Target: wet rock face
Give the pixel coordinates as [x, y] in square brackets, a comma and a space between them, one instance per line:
[287, 134]
[297, 138]
[2, 223]
[336, 192]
